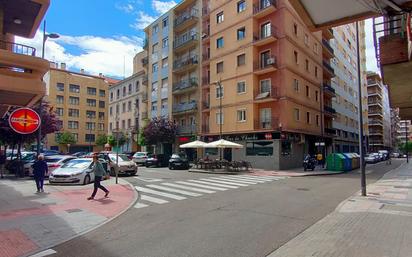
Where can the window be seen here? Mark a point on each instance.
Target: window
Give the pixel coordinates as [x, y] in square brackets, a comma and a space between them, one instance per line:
[241, 60]
[317, 96]
[111, 96]
[137, 86]
[129, 106]
[101, 127]
[220, 118]
[59, 99]
[74, 112]
[118, 94]
[89, 137]
[219, 67]
[129, 123]
[219, 17]
[241, 33]
[315, 48]
[155, 28]
[241, 115]
[296, 114]
[74, 100]
[124, 107]
[165, 22]
[260, 148]
[91, 91]
[59, 111]
[241, 87]
[307, 65]
[90, 125]
[265, 30]
[306, 39]
[91, 114]
[155, 67]
[316, 71]
[219, 91]
[219, 42]
[308, 117]
[266, 118]
[307, 91]
[73, 124]
[111, 126]
[155, 48]
[296, 85]
[241, 6]
[265, 86]
[317, 120]
[130, 89]
[165, 63]
[74, 88]
[91, 102]
[295, 29]
[165, 42]
[60, 87]
[123, 124]
[295, 54]
[124, 91]
[102, 104]
[101, 115]
[102, 93]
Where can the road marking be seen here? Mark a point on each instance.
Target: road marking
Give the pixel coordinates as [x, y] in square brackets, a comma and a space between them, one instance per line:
[203, 186]
[190, 188]
[213, 184]
[151, 180]
[247, 179]
[259, 178]
[235, 180]
[174, 190]
[150, 191]
[224, 182]
[140, 205]
[44, 253]
[153, 199]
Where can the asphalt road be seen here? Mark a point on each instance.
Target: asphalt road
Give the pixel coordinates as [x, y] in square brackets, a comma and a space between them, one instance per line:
[250, 221]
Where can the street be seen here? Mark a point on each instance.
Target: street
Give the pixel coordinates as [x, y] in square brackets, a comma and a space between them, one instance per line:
[189, 214]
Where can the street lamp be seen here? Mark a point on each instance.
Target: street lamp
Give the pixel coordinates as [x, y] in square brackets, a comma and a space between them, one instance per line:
[90, 132]
[45, 37]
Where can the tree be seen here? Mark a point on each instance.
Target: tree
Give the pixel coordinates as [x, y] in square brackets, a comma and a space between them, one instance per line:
[160, 130]
[141, 141]
[112, 139]
[66, 138]
[101, 140]
[406, 147]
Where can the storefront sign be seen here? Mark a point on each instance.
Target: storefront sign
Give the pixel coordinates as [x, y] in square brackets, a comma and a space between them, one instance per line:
[24, 121]
[245, 137]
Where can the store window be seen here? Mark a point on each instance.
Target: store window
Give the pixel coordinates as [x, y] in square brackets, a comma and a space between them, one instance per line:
[259, 148]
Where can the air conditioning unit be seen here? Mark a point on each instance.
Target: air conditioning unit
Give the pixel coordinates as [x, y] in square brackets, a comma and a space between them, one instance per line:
[270, 61]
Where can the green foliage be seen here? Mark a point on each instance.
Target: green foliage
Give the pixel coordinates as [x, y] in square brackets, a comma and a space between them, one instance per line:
[141, 141]
[121, 137]
[101, 140]
[66, 138]
[406, 147]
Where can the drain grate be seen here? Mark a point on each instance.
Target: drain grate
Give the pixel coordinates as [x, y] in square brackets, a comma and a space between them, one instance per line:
[73, 210]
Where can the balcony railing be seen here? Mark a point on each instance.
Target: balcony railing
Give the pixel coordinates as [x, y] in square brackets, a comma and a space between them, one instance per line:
[269, 124]
[374, 101]
[273, 93]
[186, 16]
[330, 131]
[17, 48]
[264, 34]
[187, 129]
[263, 4]
[375, 111]
[185, 39]
[185, 84]
[181, 64]
[206, 56]
[266, 63]
[205, 11]
[375, 122]
[329, 109]
[327, 45]
[206, 81]
[185, 107]
[206, 105]
[328, 67]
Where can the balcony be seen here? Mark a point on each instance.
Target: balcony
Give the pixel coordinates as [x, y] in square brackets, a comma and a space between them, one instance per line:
[187, 129]
[265, 66]
[186, 19]
[328, 68]
[329, 111]
[266, 36]
[329, 90]
[145, 61]
[375, 93]
[267, 124]
[264, 7]
[375, 142]
[205, 58]
[330, 131]
[206, 81]
[206, 105]
[328, 34]
[375, 102]
[145, 80]
[205, 129]
[205, 11]
[327, 49]
[375, 132]
[184, 108]
[375, 122]
[185, 64]
[21, 75]
[185, 86]
[262, 97]
[375, 112]
[185, 42]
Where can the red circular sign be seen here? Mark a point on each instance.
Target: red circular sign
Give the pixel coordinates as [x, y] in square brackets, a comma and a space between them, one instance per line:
[24, 121]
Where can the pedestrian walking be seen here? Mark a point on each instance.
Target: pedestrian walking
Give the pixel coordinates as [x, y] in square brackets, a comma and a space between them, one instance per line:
[99, 173]
[2, 163]
[40, 170]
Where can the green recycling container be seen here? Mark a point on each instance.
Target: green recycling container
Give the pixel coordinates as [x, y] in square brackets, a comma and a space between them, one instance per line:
[335, 162]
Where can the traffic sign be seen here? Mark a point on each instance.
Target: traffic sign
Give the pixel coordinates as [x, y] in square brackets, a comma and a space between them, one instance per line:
[24, 121]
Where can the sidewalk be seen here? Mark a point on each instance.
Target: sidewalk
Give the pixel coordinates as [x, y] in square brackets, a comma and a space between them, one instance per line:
[379, 225]
[297, 172]
[31, 222]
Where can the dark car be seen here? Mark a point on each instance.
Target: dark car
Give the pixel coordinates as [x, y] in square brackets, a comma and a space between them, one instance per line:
[178, 161]
[158, 160]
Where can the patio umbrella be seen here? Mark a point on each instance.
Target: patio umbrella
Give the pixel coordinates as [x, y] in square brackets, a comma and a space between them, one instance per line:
[221, 143]
[194, 144]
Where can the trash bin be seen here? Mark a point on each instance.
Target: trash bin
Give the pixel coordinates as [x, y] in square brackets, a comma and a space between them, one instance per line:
[335, 162]
[352, 161]
[347, 162]
[356, 157]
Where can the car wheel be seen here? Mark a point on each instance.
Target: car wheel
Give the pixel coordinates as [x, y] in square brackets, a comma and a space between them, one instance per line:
[86, 180]
[112, 172]
[171, 167]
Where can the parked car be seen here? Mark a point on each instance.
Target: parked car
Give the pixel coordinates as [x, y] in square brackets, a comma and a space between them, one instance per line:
[140, 157]
[158, 160]
[385, 154]
[129, 155]
[396, 155]
[124, 167]
[75, 171]
[50, 152]
[80, 154]
[377, 157]
[54, 162]
[370, 158]
[179, 161]
[27, 159]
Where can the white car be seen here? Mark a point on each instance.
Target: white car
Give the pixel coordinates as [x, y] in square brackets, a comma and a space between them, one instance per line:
[140, 157]
[125, 166]
[54, 162]
[75, 171]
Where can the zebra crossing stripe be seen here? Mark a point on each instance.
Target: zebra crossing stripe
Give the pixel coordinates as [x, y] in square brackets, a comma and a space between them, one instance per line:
[140, 205]
[153, 199]
[224, 182]
[213, 184]
[189, 188]
[202, 186]
[154, 192]
[168, 189]
[235, 180]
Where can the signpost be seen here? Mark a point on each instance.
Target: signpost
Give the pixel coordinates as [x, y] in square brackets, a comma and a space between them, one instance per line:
[24, 121]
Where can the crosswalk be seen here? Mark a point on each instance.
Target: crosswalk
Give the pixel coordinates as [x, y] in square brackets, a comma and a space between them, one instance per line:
[163, 193]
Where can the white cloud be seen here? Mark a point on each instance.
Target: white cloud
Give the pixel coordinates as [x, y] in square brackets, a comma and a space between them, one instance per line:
[110, 56]
[371, 63]
[142, 21]
[127, 8]
[161, 7]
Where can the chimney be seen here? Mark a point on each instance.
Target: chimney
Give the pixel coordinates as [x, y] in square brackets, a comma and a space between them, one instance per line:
[81, 70]
[63, 66]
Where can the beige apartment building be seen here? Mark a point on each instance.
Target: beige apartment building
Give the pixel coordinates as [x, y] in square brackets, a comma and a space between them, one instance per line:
[81, 103]
[21, 70]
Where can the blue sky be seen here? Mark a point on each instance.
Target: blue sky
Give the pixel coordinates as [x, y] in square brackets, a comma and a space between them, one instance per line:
[104, 35]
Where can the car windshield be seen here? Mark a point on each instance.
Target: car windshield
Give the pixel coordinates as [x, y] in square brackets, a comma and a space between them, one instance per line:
[139, 154]
[178, 155]
[28, 156]
[79, 164]
[122, 157]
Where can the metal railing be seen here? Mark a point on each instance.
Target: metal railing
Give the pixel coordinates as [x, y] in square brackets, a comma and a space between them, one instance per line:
[205, 11]
[144, 115]
[185, 16]
[263, 4]
[187, 129]
[329, 88]
[328, 67]
[206, 56]
[144, 97]
[271, 94]
[17, 48]
[375, 122]
[184, 107]
[206, 81]
[185, 39]
[266, 63]
[327, 46]
[179, 64]
[330, 131]
[329, 109]
[184, 84]
[270, 124]
[263, 34]
[206, 104]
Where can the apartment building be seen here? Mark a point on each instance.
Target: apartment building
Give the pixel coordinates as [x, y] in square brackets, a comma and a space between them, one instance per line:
[81, 102]
[127, 108]
[21, 70]
[404, 132]
[395, 127]
[379, 116]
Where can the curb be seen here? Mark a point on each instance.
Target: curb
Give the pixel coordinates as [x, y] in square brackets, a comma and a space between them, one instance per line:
[133, 202]
[219, 172]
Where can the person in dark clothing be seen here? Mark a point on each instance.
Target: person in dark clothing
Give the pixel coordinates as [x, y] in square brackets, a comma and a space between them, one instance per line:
[2, 162]
[99, 173]
[40, 170]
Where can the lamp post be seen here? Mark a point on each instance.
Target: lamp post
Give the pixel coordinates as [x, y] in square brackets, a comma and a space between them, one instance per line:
[220, 114]
[90, 132]
[45, 37]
